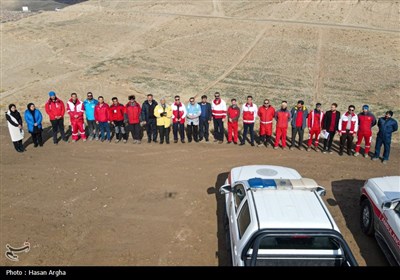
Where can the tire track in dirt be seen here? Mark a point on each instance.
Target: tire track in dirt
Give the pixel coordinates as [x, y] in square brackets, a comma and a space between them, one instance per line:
[240, 59]
[218, 9]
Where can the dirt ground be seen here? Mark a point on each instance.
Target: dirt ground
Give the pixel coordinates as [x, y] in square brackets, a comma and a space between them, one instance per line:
[123, 204]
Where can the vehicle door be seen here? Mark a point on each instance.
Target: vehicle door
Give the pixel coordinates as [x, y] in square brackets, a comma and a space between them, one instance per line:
[391, 222]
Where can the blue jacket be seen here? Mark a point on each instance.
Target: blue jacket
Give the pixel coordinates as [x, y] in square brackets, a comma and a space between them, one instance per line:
[89, 108]
[206, 112]
[294, 116]
[29, 119]
[386, 128]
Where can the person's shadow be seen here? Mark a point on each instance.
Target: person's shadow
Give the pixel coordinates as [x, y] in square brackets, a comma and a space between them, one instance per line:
[347, 197]
[47, 133]
[224, 258]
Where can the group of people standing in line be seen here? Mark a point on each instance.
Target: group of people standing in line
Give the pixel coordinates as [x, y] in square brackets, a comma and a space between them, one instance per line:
[157, 120]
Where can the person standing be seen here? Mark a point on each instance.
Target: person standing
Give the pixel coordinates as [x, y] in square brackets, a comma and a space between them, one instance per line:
[75, 110]
[218, 110]
[348, 126]
[133, 112]
[299, 121]
[102, 117]
[266, 113]
[89, 104]
[192, 120]
[233, 122]
[387, 125]
[315, 118]
[163, 113]
[117, 116]
[14, 122]
[33, 118]
[330, 124]
[55, 109]
[204, 119]
[249, 111]
[148, 118]
[178, 119]
[366, 120]
[282, 118]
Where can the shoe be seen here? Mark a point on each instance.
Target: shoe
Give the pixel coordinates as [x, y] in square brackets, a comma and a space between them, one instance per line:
[284, 148]
[228, 142]
[90, 138]
[109, 141]
[183, 141]
[375, 158]
[260, 145]
[124, 141]
[220, 142]
[20, 151]
[139, 142]
[291, 148]
[175, 141]
[207, 140]
[308, 149]
[301, 148]
[356, 154]
[65, 140]
[102, 140]
[116, 140]
[55, 143]
[384, 161]
[97, 138]
[316, 149]
[215, 140]
[41, 145]
[73, 141]
[161, 142]
[200, 139]
[330, 152]
[148, 140]
[324, 151]
[167, 142]
[366, 156]
[252, 144]
[275, 147]
[241, 144]
[36, 145]
[84, 140]
[235, 143]
[340, 153]
[134, 141]
[189, 141]
[349, 153]
[155, 141]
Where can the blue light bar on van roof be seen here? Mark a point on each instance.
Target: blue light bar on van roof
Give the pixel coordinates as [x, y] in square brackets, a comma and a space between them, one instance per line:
[262, 183]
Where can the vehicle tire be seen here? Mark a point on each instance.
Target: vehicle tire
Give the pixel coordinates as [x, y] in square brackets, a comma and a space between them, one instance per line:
[367, 218]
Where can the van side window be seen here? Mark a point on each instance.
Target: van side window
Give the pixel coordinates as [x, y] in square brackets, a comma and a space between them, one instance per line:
[239, 194]
[397, 209]
[243, 220]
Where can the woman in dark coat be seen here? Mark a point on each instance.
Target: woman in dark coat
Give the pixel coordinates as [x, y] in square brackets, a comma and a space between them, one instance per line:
[14, 122]
[33, 119]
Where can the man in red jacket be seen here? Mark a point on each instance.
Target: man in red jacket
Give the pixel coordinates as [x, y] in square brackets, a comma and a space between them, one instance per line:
[75, 109]
[101, 115]
[315, 118]
[55, 109]
[366, 120]
[117, 112]
[133, 112]
[282, 118]
[266, 113]
[233, 125]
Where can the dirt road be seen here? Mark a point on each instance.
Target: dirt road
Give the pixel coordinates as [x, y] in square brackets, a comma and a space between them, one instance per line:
[124, 204]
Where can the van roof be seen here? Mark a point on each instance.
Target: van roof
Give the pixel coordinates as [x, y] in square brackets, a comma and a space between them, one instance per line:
[263, 172]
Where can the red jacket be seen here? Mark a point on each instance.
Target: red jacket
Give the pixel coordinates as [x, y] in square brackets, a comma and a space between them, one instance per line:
[133, 112]
[352, 118]
[315, 119]
[101, 113]
[234, 113]
[282, 118]
[218, 109]
[76, 110]
[366, 122]
[117, 112]
[266, 114]
[55, 109]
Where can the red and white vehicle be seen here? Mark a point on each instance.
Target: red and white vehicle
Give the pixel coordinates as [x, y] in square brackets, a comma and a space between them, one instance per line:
[380, 214]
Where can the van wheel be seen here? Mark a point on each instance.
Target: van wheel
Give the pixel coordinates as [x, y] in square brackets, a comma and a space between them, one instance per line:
[367, 218]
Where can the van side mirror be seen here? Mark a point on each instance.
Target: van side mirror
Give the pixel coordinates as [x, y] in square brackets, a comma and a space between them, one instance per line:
[388, 205]
[321, 191]
[225, 189]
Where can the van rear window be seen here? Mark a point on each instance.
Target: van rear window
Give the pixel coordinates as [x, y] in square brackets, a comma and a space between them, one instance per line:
[299, 242]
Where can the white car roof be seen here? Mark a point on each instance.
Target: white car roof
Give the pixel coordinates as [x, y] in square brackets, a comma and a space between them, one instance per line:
[389, 186]
[291, 209]
[264, 172]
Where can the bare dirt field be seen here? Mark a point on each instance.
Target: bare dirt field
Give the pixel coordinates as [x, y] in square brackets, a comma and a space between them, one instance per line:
[123, 204]
[116, 204]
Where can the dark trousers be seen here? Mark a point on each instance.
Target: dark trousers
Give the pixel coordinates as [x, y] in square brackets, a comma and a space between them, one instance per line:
[135, 130]
[58, 126]
[92, 128]
[164, 133]
[248, 127]
[328, 142]
[346, 137]
[18, 146]
[37, 138]
[119, 128]
[151, 128]
[104, 127]
[386, 148]
[300, 131]
[218, 130]
[192, 130]
[178, 127]
[203, 129]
